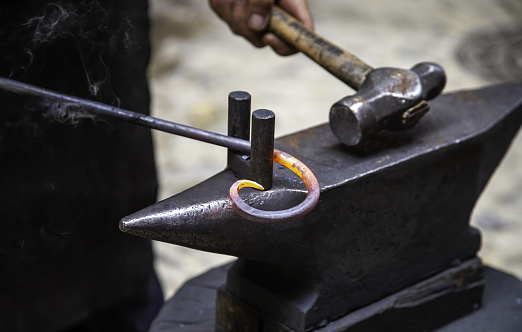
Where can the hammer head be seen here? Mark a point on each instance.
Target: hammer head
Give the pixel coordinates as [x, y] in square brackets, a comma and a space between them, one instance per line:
[389, 98]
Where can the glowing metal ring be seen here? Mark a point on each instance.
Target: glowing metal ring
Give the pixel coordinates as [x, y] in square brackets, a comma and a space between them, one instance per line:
[262, 216]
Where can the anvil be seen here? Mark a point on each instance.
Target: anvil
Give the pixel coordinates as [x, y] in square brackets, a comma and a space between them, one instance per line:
[393, 212]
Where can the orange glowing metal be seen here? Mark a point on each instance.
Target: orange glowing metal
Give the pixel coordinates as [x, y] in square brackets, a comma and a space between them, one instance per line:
[253, 214]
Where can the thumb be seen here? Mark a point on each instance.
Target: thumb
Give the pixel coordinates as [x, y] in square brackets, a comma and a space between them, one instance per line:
[258, 13]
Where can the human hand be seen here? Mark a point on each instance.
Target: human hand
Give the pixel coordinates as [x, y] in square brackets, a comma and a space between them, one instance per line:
[250, 18]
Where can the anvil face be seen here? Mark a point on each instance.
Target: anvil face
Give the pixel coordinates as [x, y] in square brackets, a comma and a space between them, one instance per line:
[392, 212]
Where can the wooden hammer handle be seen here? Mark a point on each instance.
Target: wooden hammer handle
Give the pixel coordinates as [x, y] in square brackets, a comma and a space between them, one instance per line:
[342, 64]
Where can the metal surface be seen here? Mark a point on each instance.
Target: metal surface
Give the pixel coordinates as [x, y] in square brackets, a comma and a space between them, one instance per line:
[239, 127]
[290, 214]
[393, 211]
[193, 308]
[387, 98]
[390, 98]
[262, 152]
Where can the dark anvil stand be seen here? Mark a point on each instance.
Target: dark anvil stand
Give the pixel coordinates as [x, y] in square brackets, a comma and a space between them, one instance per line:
[387, 248]
[193, 309]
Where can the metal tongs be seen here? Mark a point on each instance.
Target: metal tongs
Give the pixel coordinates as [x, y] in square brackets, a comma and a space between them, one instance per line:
[240, 145]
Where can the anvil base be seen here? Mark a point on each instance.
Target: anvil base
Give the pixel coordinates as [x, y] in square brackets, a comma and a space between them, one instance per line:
[193, 308]
[424, 306]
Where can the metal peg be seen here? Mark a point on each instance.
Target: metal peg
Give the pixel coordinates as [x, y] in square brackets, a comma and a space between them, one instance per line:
[262, 147]
[239, 127]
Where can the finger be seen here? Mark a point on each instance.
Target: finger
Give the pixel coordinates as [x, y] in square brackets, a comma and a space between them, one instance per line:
[298, 9]
[239, 21]
[258, 12]
[234, 13]
[279, 46]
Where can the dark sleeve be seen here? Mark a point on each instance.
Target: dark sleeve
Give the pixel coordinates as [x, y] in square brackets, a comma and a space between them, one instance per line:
[66, 181]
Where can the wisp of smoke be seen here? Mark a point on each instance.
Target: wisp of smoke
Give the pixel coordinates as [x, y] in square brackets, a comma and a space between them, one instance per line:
[86, 22]
[95, 32]
[54, 23]
[64, 112]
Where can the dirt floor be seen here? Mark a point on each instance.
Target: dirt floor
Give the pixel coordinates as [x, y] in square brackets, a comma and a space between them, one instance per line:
[197, 62]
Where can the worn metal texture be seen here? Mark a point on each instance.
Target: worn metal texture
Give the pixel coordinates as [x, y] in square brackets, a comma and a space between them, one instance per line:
[389, 98]
[392, 212]
[262, 151]
[193, 308]
[239, 103]
[423, 306]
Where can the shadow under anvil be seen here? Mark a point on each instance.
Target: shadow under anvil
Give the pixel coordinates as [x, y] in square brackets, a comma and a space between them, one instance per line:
[392, 212]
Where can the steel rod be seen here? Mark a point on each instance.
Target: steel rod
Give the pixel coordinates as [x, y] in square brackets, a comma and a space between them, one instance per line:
[102, 109]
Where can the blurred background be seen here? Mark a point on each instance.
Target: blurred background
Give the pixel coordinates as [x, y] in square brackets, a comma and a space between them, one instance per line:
[197, 61]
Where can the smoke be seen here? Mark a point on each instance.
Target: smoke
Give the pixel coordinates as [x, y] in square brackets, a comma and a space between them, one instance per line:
[96, 32]
[64, 112]
[55, 22]
[87, 23]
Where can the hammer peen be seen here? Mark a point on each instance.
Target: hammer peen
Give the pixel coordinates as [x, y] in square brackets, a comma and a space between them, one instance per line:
[386, 98]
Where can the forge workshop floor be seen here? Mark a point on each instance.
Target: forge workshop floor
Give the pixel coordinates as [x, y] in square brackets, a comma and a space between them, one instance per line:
[197, 62]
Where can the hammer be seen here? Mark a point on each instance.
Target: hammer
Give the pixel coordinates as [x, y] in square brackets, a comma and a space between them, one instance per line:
[386, 98]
